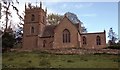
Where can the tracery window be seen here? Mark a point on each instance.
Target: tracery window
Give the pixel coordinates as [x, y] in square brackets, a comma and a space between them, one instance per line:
[66, 36]
[32, 29]
[98, 40]
[84, 40]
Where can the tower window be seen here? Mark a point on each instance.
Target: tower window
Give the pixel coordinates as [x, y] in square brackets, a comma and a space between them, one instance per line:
[84, 40]
[98, 40]
[66, 36]
[33, 17]
[32, 29]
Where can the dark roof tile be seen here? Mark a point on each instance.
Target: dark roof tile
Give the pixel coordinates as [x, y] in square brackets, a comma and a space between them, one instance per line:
[48, 31]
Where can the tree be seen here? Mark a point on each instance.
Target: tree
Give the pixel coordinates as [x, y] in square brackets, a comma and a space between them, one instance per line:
[19, 35]
[83, 28]
[112, 36]
[74, 19]
[0, 10]
[8, 39]
[6, 4]
[54, 19]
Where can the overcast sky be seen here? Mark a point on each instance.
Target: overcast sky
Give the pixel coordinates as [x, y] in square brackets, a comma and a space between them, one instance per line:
[96, 16]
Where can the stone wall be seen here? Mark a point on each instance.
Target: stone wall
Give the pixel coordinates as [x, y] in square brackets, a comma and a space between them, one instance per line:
[84, 51]
[58, 36]
[91, 42]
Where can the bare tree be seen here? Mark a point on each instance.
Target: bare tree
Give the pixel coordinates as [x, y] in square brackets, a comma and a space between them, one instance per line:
[0, 10]
[83, 28]
[54, 18]
[6, 4]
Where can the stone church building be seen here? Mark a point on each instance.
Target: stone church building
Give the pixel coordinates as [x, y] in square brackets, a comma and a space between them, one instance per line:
[37, 34]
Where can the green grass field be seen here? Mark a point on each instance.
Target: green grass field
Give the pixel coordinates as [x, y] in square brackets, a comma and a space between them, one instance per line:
[45, 60]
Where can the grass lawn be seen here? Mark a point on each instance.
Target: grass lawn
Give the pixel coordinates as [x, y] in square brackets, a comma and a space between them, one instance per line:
[43, 60]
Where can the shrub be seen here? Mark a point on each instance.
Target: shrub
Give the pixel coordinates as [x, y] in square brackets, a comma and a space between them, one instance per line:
[114, 47]
[85, 60]
[117, 60]
[10, 59]
[70, 61]
[29, 61]
[8, 41]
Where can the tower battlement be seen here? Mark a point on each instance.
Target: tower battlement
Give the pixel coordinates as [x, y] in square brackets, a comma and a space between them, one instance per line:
[29, 7]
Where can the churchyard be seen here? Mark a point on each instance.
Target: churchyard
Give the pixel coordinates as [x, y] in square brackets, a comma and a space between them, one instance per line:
[43, 59]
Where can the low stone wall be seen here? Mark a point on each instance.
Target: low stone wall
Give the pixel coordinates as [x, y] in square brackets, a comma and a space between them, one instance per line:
[84, 51]
[74, 51]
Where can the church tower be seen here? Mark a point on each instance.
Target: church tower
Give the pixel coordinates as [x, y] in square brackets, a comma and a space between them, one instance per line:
[34, 22]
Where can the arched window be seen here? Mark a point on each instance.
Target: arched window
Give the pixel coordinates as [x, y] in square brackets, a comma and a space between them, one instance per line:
[66, 36]
[84, 40]
[32, 29]
[43, 19]
[32, 17]
[44, 43]
[98, 40]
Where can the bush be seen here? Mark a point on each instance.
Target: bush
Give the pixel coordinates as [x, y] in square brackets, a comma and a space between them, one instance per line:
[117, 60]
[114, 47]
[29, 61]
[10, 59]
[8, 41]
[70, 61]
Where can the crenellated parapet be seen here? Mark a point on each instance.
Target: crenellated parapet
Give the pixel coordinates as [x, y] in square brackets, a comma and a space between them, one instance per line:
[29, 7]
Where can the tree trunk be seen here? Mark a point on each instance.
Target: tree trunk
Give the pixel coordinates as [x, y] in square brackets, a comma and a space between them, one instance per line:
[6, 13]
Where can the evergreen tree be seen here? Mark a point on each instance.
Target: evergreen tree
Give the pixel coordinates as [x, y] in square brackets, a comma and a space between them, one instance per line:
[112, 36]
[8, 40]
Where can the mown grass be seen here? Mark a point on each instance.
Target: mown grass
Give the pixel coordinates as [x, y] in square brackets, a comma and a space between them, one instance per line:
[45, 60]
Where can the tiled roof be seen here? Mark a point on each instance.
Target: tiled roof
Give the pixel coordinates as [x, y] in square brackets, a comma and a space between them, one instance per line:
[48, 31]
[92, 33]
